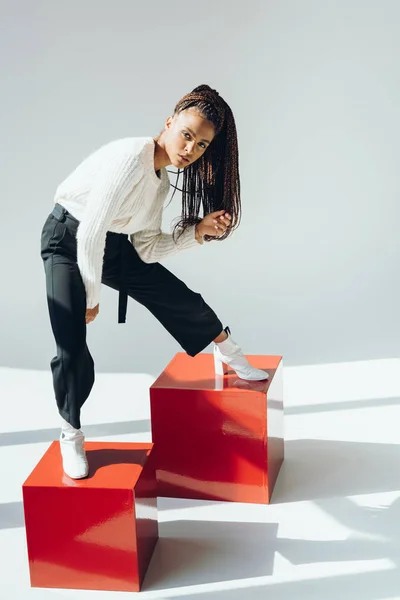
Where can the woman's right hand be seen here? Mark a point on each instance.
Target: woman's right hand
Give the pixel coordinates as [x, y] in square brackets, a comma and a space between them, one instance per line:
[214, 224]
[91, 314]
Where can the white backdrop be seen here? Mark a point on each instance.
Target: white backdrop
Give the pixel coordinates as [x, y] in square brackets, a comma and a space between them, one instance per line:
[312, 273]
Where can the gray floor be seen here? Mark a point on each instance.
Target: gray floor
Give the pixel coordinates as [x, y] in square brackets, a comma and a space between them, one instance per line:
[331, 532]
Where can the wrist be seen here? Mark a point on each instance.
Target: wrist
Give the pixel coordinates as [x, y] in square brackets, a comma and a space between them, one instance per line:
[198, 234]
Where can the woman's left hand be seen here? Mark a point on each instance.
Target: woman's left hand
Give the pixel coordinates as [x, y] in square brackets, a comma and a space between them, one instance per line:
[214, 224]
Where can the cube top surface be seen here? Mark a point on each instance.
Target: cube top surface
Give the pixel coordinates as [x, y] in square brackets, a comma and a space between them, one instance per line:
[112, 465]
[186, 372]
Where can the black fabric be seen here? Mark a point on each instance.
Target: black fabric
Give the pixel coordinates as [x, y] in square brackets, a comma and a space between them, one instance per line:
[61, 214]
[182, 312]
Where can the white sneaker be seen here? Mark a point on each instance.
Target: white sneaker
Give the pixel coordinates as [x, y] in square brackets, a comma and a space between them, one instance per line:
[229, 353]
[73, 453]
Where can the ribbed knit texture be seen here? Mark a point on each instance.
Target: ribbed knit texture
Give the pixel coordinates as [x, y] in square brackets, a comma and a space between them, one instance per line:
[116, 189]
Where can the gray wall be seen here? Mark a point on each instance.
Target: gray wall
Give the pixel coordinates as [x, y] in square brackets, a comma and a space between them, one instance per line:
[312, 273]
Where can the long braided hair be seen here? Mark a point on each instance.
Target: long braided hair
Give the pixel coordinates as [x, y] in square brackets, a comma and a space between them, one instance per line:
[212, 182]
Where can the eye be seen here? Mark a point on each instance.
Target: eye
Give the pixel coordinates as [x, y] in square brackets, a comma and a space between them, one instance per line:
[189, 137]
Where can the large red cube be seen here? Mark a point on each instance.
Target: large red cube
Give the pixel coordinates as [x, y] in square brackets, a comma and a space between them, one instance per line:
[97, 533]
[217, 437]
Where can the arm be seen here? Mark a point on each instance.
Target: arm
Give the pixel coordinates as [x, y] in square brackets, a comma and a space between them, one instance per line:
[105, 198]
[152, 244]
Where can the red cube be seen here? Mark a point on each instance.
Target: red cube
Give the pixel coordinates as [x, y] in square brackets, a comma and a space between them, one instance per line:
[217, 437]
[97, 533]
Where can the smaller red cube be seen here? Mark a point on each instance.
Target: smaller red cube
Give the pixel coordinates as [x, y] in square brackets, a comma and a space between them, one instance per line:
[97, 533]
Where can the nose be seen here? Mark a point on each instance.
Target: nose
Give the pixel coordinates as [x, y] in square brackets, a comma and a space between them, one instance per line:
[190, 147]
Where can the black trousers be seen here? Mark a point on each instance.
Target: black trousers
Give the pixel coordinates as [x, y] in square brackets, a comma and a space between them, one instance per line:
[181, 311]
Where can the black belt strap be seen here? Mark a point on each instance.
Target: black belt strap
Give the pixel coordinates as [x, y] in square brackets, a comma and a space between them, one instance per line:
[123, 295]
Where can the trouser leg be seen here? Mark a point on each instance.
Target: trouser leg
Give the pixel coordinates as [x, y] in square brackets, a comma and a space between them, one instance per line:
[183, 312]
[72, 367]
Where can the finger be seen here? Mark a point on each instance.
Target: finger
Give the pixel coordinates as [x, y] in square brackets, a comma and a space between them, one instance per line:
[216, 233]
[219, 225]
[210, 231]
[225, 218]
[225, 221]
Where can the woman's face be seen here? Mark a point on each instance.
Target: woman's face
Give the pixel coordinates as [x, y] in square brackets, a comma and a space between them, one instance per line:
[187, 135]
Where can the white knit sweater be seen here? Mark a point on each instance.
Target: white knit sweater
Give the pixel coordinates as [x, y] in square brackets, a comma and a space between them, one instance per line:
[117, 189]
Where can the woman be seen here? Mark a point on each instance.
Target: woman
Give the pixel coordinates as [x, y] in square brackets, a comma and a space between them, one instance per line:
[106, 228]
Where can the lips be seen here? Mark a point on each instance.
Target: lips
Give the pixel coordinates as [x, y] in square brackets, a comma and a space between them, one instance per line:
[183, 158]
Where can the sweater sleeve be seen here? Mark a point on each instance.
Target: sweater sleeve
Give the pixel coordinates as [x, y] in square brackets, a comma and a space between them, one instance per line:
[153, 245]
[111, 187]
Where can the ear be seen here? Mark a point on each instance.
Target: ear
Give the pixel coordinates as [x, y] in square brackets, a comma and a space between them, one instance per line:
[168, 122]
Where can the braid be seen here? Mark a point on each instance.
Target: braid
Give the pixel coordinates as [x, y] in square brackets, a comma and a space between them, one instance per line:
[212, 182]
